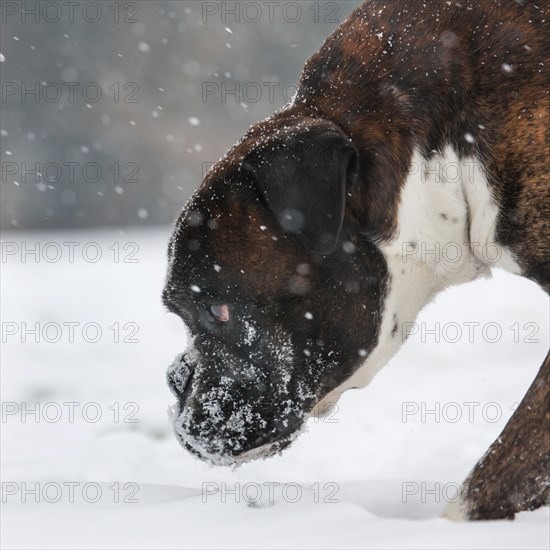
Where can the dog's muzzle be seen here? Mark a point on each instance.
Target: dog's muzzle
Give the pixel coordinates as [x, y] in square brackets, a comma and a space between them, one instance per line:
[229, 411]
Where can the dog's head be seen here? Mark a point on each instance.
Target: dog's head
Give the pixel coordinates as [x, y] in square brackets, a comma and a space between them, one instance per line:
[282, 294]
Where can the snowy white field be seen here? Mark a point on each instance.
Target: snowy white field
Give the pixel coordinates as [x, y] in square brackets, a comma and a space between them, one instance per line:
[376, 474]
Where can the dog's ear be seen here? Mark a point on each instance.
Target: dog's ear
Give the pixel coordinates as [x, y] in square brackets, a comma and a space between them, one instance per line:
[302, 174]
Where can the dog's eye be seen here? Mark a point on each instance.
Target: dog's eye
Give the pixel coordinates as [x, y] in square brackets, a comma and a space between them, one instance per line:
[220, 312]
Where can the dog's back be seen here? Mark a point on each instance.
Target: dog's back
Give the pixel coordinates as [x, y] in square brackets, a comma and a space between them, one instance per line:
[423, 74]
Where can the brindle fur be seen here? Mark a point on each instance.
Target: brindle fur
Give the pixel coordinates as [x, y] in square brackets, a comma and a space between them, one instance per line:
[398, 76]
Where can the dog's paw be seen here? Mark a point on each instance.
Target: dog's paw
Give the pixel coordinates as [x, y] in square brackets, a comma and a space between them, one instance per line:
[456, 511]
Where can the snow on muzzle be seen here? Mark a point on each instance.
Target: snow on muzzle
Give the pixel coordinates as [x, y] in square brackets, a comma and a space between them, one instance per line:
[230, 410]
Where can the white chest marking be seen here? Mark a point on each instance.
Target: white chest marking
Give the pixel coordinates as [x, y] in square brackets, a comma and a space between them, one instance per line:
[445, 236]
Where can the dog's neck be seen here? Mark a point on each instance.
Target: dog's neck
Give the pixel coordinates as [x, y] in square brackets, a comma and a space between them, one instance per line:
[444, 236]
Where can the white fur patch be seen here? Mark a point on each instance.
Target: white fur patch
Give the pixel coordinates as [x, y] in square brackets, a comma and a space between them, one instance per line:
[445, 236]
[456, 511]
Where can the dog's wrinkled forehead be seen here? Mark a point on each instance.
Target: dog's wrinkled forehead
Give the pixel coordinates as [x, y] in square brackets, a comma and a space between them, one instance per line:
[278, 193]
[226, 236]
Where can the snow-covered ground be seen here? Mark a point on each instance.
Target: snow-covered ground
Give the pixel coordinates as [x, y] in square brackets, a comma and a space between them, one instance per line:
[375, 474]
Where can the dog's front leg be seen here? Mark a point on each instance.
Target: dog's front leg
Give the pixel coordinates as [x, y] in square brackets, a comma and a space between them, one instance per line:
[514, 474]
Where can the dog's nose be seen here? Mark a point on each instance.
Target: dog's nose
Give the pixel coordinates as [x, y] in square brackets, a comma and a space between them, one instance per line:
[179, 374]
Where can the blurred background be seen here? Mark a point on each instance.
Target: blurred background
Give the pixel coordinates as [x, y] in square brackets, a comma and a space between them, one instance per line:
[111, 111]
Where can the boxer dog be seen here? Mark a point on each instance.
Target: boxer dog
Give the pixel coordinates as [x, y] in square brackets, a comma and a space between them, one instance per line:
[414, 156]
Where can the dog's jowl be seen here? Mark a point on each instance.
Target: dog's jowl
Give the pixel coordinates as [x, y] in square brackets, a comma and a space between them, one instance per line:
[413, 157]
